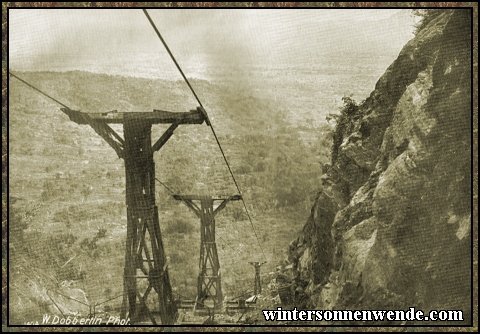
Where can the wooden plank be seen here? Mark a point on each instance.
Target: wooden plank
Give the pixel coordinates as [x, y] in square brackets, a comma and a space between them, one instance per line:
[153, 117]
[200, 197]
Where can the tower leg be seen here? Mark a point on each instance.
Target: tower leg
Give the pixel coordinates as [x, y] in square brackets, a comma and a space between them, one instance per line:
[209, 286]
[257, 284]
[146, 280]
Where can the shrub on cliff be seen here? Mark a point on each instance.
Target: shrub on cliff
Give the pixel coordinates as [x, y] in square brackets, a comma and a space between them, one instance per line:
[344, 123]
[425, 16]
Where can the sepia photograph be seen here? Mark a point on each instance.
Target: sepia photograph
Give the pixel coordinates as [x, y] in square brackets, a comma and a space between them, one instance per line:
[240, 165]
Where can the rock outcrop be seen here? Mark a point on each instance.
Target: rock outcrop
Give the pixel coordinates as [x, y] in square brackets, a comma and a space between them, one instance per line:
[391, 226]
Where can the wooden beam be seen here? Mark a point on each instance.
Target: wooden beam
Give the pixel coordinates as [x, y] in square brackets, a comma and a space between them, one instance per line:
[215, 198]
[153, 117]
[164, 138]
[101, 128]
[220, 207]
[189, 203]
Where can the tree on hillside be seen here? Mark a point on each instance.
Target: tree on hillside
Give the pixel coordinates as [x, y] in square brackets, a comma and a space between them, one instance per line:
[425, 16]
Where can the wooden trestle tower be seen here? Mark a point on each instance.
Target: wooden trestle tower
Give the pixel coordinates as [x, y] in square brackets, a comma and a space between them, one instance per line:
[146, 281]
[209, 282]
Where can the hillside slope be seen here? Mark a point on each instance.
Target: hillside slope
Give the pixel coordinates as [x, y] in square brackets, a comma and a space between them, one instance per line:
[391, 227]
[67, 222]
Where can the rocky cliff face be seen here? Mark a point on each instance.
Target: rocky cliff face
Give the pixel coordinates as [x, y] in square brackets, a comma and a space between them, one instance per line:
[391, 227]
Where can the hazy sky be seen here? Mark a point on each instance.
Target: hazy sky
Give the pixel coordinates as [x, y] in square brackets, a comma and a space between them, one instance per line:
[115, 40]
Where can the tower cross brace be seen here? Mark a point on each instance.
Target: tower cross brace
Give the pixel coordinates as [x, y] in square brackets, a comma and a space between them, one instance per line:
[209, 281]
[146, 283]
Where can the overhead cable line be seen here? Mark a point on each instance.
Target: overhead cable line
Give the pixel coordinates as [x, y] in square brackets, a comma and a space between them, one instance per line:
[159, 35]
[38, 90]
